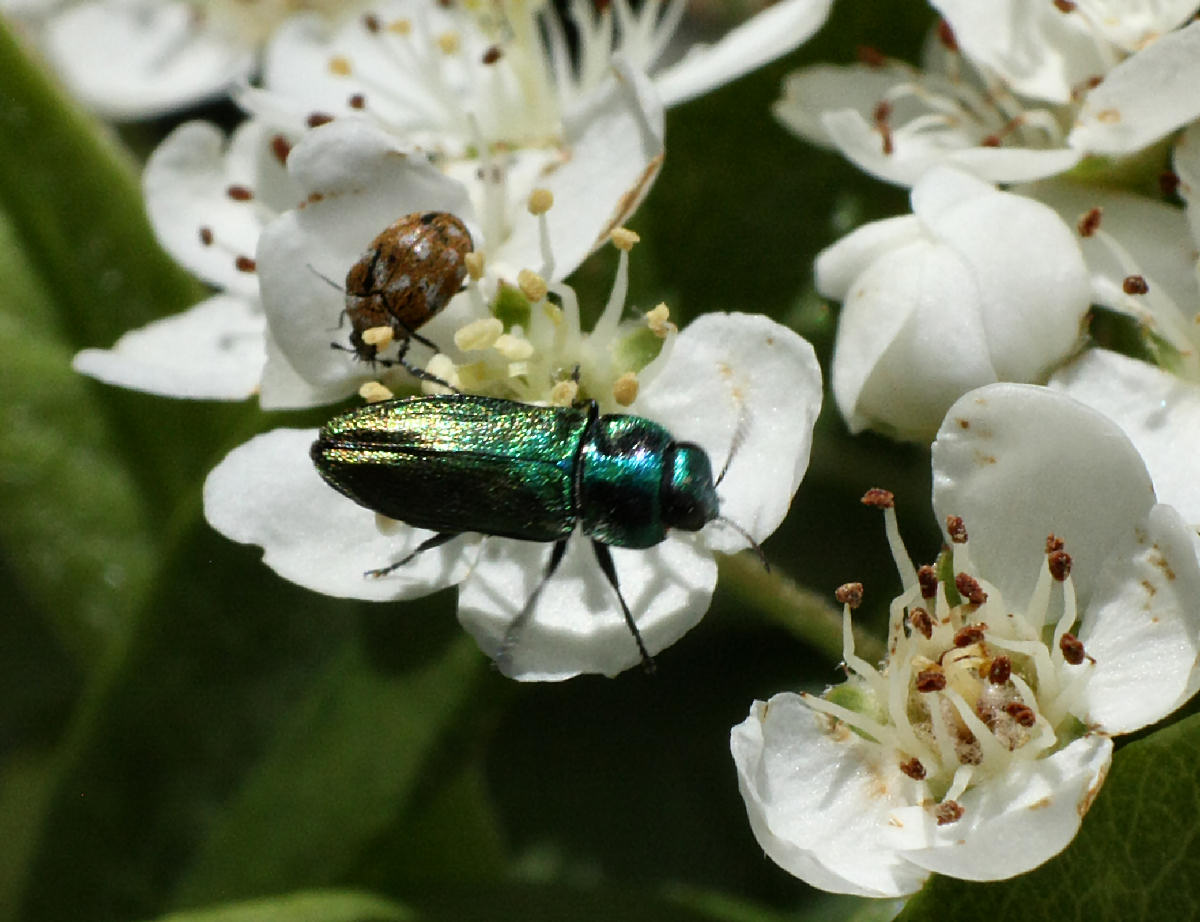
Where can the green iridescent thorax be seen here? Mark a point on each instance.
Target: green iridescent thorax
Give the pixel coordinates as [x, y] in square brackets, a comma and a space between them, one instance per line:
[689, 495]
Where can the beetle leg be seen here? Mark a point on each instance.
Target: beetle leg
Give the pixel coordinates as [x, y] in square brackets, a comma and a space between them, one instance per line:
[428, 544]
[513, 633]
[604, 558]
[413, 370]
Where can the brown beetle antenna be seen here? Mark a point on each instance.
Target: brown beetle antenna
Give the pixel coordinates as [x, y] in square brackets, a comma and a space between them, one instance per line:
[739, 436]
[324, 278]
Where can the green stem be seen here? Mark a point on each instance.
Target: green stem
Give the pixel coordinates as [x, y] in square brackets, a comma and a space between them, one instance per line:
[807, 615]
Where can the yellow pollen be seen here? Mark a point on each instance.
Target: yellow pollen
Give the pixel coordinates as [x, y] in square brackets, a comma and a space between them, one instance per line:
[475, 262]
[374, 392]
[623, 238]
[380, 337]
[659, 321]
[442, 367]
[532, 285]
[563, 393]
[339, 66]
[449, 42]
[478, 334]
[540, 201]
[625, 389]
[400, 26]
[513, 348]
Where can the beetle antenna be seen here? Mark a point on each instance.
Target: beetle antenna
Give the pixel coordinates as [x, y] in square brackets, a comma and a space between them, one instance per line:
[324, 278]
[754, 546]
[739, 436]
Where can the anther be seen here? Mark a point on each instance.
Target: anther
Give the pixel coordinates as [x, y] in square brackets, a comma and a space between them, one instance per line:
[339, 66]
[563, 393]
[946, 36]
[206, 236]
[1089, 223]
[280, 148]
[878, 498]
[1168, 183]
[1000, 670]
[871, 57]
[478, 334]
[513, 348]
[532, 285]
[849, 594]
[239, 193]
[972, 633]
[1064, 6]
[956, 529]
[449, 42]
[371, 23]
[492, 55]
[1072, 649]
[913, 768]
[658, 319]
[357, 101]
[625, 389]
[475, 262]
[1135, 285]
[374, 392]
[245, 264]
[400, 26]
[317, 119]
[1023, 714]
[928, 581]
[930, 680]
[1054, 543]
[540, 201]
[1060, 565]
[947, 812]
[968, 587]
[623, 238]
[919, 620]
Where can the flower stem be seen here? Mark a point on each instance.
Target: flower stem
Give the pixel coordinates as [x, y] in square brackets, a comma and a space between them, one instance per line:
[805, 614]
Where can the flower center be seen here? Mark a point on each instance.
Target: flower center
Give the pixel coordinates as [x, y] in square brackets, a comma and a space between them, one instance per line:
[969, 686]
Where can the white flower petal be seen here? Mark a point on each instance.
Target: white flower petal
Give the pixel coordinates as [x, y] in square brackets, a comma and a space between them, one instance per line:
[282, 387]
[615, 141]
[1036, 49]
[576, 625]
[1187, 168]
[129, 60]
[820, 802]
[1014, 822]
[892, 369]
[267, 492]
[1143, 627]
[741, 382]
[186, 183]
[1143, 98]
[768, 34]
[838, 266]
[810, 93]
[1029, 272]
[1159, 412]
[212, 352]
[1153, 234]
[1019, 463]
[357, 184]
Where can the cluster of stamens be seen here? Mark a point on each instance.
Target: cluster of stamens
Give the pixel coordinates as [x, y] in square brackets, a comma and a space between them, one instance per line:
[969, 687]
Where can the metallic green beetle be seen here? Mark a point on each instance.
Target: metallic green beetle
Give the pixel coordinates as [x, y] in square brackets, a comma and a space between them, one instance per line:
[458, 463]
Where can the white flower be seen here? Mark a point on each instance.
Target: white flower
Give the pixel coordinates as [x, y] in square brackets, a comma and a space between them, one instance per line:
[975, 750]
[133, 59]
[1014, 90]
[975, 286]
[726, 380]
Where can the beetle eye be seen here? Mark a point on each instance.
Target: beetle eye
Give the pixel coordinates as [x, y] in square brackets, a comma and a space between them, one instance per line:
[689, 500]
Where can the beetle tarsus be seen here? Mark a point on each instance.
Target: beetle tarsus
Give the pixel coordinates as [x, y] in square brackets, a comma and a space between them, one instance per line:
[604, 558]
[428, 544]
[513, 632]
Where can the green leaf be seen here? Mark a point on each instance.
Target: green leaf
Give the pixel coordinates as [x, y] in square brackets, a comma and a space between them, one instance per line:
[318, 906]
[1136, 859]
[360, 752]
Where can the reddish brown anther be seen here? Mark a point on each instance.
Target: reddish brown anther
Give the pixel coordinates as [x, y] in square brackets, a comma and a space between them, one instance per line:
[991, 140]
[930, 680]
[1135, 285]
[1060, 565]
[913, 768]
[919, 620]
[1065, 6]
[872, 57]
[357, 101]
[371, 23]
[878, 498]
[948, 811]
[493, 54]
[245, 264]
[928, 581]
[946, 36]
[317, 119]
[968, 587]
[1089, 223]
[1054, 543]
[1168, 183]
[1072, 649]
[972, 633]
[206, 236]
[1000, 670]
[280, 148]
[239, 193]
[1022, 713]
[849, 594]
[956, 529]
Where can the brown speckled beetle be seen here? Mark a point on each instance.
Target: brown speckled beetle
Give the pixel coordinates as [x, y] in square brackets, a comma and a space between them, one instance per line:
[407, 274]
